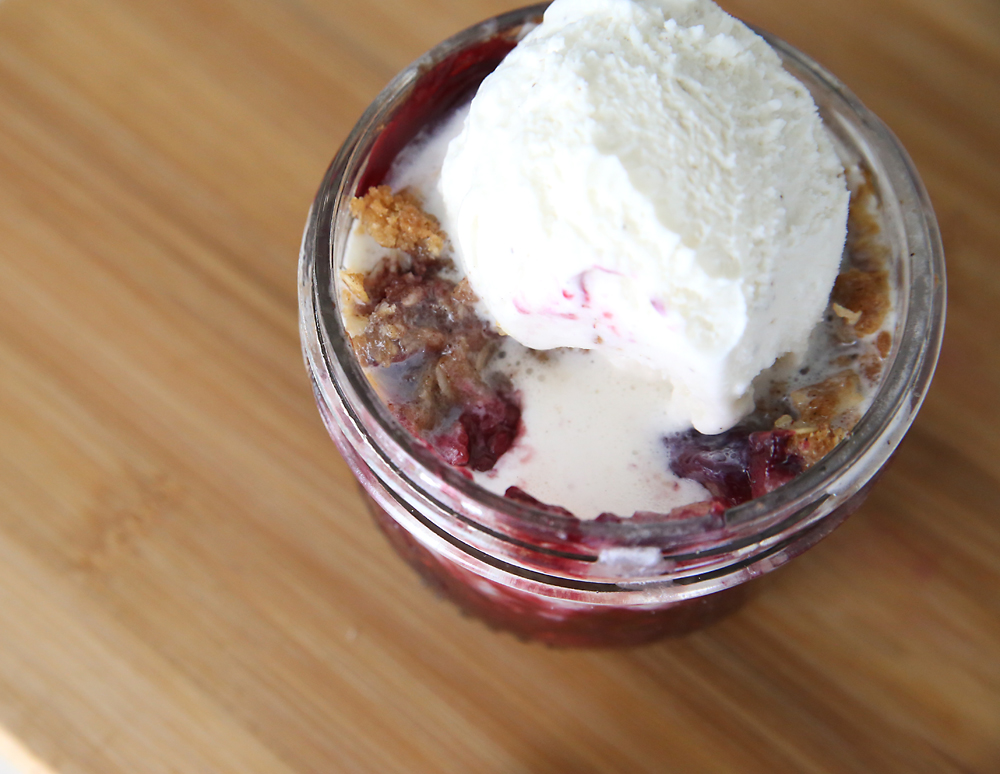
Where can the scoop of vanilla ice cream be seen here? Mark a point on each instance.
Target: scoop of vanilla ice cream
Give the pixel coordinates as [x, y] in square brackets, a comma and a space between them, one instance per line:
[643, 178]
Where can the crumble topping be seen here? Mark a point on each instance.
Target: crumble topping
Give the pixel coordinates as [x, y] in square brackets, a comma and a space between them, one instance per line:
[861, 295]
[884, 344]
[398, 221]
[832, 400]
[814, 443]
[864, 243]
[864, 296]
[826, 413]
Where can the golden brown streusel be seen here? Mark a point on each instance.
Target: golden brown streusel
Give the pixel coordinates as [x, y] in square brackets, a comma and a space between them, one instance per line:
[397, 221]
[354, 285]
[828, 400]
[884, 343]
[866, 292]
[814, 443]
[869, 252]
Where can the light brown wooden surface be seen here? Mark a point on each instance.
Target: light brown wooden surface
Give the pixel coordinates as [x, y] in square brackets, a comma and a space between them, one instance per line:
[188, 581]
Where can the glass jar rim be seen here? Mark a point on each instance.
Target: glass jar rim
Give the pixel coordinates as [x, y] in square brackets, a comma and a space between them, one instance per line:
[787, 510]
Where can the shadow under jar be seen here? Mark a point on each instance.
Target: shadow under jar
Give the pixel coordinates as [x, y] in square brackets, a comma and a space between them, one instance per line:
[554, 578]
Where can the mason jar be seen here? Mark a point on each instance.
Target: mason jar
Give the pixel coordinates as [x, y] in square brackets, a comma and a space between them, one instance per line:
[551, 577]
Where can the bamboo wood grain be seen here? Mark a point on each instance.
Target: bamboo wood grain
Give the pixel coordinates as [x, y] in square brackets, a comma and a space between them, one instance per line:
[188, 580]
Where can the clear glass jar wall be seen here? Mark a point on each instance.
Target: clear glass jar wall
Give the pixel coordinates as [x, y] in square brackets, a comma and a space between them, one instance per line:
[554, 578]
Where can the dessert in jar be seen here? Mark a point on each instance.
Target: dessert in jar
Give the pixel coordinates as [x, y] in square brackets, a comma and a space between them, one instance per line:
[439, 367]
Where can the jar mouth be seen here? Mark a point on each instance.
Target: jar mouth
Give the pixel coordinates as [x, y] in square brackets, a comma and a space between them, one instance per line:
[453, 69]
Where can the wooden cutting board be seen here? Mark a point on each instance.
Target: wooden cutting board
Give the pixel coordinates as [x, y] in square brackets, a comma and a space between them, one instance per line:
[188, 580]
